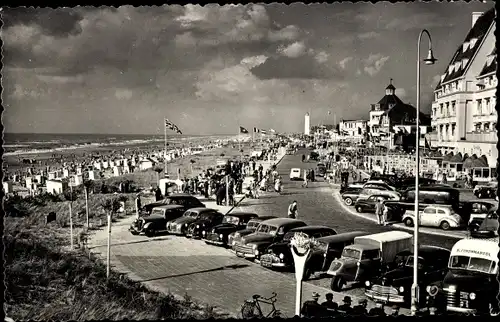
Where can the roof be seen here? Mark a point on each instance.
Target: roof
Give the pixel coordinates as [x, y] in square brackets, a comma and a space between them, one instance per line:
[262, 218]
[168, 206]
[280, 221]
[178, 195]
[242, 214]
[202, 209]
[385, 237]
[311, 228]
[478, 31]
[492, 66]
[427, 249]
[342, 237]
[477, 247]
[390, 86]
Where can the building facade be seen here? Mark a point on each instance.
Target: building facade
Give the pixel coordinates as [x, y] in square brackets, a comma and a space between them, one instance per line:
[307, 124]
[353, 129]
[464, 118]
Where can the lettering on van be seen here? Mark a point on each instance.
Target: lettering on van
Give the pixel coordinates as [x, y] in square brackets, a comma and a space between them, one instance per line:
[477, 252]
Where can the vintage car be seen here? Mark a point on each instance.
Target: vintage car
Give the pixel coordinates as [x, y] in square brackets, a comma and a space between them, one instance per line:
[389, 194]
[486, 190]
[471, 285]
[367, 257]
[279, 255]
[320, 170]
[269, 232]
[250, 228]
[368, 204]
[180, 225]
[205, 222]
[295, 174]
[156, 222]
[442, 216]
[488, 227]
[219, 234]
[350, 195]
[394, 286]
[477, 212]
[183, 199]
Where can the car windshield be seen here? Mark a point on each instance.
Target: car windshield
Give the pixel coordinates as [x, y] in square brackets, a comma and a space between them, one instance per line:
[472, 264]
[351, 253]
[208, 215]
[252, 224]
[157, 212]
[230, 220]
[192, 214]
[409, 262]
[263, 228]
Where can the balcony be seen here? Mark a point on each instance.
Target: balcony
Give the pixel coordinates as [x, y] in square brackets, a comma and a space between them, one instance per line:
[490, 137]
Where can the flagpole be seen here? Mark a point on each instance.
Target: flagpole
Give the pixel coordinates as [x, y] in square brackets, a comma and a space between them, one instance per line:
[166, 165]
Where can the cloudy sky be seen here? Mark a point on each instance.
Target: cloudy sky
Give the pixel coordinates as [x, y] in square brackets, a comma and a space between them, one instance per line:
[208, 69]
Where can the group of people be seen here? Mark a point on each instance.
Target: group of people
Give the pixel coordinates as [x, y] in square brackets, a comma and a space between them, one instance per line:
[314, 309]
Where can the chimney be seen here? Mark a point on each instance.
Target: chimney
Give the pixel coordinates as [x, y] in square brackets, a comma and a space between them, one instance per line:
[475, 16]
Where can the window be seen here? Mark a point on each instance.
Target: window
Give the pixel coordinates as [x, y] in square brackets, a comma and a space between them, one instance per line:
[478, 127]
[446, 110]
[486, 127]
[441, 212]
[371, 254]
[453, 108]
[441, 109]
[487, 105]
[453, 126]
[479, 107]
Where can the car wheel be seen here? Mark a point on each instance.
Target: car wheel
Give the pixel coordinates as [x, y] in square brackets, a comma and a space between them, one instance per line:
[359, 209]
[348, 201]
[150, 233]
[409, 222]
[445, 225]
[337, 283]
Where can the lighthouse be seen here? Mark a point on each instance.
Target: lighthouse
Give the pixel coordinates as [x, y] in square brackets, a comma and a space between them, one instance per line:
[307, 124]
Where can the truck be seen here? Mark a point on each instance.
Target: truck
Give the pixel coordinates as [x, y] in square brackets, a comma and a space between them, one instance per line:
[367, 257]
[471, 285]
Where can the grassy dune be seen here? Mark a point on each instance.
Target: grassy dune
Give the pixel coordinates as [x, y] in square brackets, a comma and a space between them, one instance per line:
[46, 281]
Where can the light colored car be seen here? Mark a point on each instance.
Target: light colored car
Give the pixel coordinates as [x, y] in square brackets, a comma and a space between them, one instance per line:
[441, 216]
[295, 174]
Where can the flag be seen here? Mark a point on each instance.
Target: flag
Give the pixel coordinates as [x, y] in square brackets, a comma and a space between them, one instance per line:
[171, 126]
[243, 130]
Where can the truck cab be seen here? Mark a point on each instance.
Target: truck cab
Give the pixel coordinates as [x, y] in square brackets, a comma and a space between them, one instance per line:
[471, 284]
[367, 257]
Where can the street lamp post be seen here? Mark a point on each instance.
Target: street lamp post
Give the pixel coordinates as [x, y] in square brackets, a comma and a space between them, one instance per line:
[430, 60]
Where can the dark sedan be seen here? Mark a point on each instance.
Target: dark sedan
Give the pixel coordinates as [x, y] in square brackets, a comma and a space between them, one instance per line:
[488, 227]
[157, 221]
[231, 223]
[180, 225]
[350, 195]
[368, 204]
[183, 199]
[279, 255]
[394, 286]
[250, 228]
[204, 223]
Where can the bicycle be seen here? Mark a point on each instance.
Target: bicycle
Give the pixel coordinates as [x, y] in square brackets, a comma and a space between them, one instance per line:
[252, 309]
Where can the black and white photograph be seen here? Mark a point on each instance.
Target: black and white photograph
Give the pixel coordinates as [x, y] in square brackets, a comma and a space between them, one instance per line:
[253, 160]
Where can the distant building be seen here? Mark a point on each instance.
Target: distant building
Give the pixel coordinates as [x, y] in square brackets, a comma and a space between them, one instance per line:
[464, 118]
[391, 117]
[56, 186]
[146, 164]
[307, 124]
[353, 129]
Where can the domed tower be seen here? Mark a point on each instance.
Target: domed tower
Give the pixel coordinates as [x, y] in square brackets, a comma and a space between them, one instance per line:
[390, 89]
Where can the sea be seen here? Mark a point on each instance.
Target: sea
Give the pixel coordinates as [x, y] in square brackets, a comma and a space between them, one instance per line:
[29, 143]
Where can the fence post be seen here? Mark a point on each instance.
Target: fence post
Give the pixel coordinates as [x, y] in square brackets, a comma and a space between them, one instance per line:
[108, 260]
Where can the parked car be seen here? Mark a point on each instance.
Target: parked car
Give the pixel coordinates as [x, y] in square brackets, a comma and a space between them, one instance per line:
[488, 190]
[389, 194]
[353, 185]
[367, 257]
[205, 222]
[180, 225]
[368, 204]
[279, 255]
[327, 249]
[488, 227]
[250, 228]
[350, 195]
[182, 199]
[394, 286]
[378, 184]
[295, 174]
[474, 212]
[471, 284]
[441, 216]
[270, 231]
[320, 170]
[219, 234]
[156, 222]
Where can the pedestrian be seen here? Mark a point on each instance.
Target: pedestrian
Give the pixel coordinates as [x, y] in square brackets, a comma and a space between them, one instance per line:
[379, 211]
[378, 310]
[304, 184]
[303, 158]
[346, 307]
[138, 205]
[329, 304]
[277, 185]
[311, 308]
[293, 210]
[360, 309]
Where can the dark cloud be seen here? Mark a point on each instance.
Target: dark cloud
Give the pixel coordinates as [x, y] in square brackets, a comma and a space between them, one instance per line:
[305, 67]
